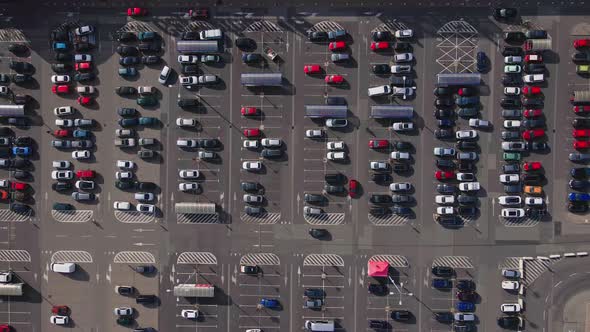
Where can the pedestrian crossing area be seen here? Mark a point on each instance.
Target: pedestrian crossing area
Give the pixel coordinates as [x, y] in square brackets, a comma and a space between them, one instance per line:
[197, 218]
[534, 268]
[14, 256]
[193, 257]
[266, 218]
[11, 216]
[391, 26]
[134, 257]
[71, 256]
[326, 26]
[198, 26]
[73, 216]
[393, 260]
[12, 35]
[134, 217]
[325, 218]
[136, 26]
[260, 259]
[456, 262]
[263, 26]
[323, 260]
[389, 219]
[521, 222]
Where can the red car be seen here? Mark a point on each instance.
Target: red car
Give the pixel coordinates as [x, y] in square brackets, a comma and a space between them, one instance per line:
[581, 144]
[61, 310]
[533, 134]
[353, 188]
[136, 11]
[253, 132]
[334, 79]
[3, 194]
[582, 109]
[199, 13]
[86, 174]
[18, 185]
[311, 69]
[379, 46]
[444, 175]
[533, 58]
[59, 89]
[337, 46]
[581, 133]
[83, 66]
[246, 111]
[579, 43]
[84, 100]
[4, 328]
[62, 133]
[378, 143]
[533, 113]
[531, 90]
[532, 166]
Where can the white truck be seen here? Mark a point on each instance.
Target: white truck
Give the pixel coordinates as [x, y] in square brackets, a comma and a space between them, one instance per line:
[211, 34]
[7, 286]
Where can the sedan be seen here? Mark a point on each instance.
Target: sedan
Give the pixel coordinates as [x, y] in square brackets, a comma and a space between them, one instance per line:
[252, 132]
[579, 145]
[531, 166]
[60, 89]
[512, 213]
[252, 165]
[509, 178]
[334, 79]
[581, 133]
[534, 134]
[378, 143]
[512, 69]
[444, 175]
[531, 90]
[62, 175]
[58, 79]
[311, 69]
[337, 46]
[466, 134]
[81, 154]
[380, 46]
[249, 111]
[532, 113]
[136, 11]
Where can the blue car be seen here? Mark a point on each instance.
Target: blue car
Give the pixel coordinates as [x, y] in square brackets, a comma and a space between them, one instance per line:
[441, 283]
[270, 303]
[80, 133]
[465, 306]
[576, 197]
[127, 72]
[464, 101]
[21, 151]
[57, 46]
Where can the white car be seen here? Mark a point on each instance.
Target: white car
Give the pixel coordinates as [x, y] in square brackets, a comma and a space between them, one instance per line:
[146, 208]
[510, 200]
[403, 126]
[336, 123]
[513, 146]
[83, 58]
[479, 123]
[188, 80]
[536, 78]
[400, 186]
[123, 311]
[512, 274]
[465, 134]
[511, 91]
[59, 320]
[444, 199]
[189, 173]
[186, 122]
[250, 144]
[403, 92]
[84, 185]
[62, 175]
[465, 177]
[123, 132]
[84, 30]
[123, 175]
[164, 75]
[63, 110]
[188, 186]
[187, 143]
[61, 164]
[146, 197]
[85, 90]
[125, 164]
[335, 145]
[123, 206]
[252, 165]
[407, 33]
[4, 183]
[509, 124]
[512, 69]
[146, 90]
[509, 178]
[510, 308]
[379, 165]
[3, 90]
[65, 123]
[533, 201]
[400, 69]
[512, 213]
[207, 79]
[445, 210]
[314, 133]
[398, 155]
[81, 154]
[513, 59]
[271, 142]
[336, 155]
[188, 59]
[189, 314]
[60, 79]
[510, 285]
[403, 57]
[444, 152]
[469, 186]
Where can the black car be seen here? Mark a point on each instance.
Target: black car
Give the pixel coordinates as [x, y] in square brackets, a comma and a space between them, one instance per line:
[537, 146]
[21, 78]
[317, 36]
[378, 289]
[467, 145]
[17, 48]
[445, 188]
[402, 145]
[60, 35]
[511, 80]
[314, 293]
[402, 47]
[533, 102]
[510, 168]
[579, 184]
[127, 50]
[123, 185]
[444, 134]
[378, 324]
[208, 143]
[21, 67]
[336, 101]
[505, 13]
[445, 163]
[401, 315]
[443, 102]
[126, 111]
[444, 113]
[145, 269]
[580, 172]
[380, 199]
[335, 178]
[402, 199]
[534, 123]
[19, 208]
[381, 178]
[146, 154]
[125, 290]
[146, 299]
[129, 60]
[510, 135]
[449, 221]
[514, 37]
[251, 57]
[271, 153]
[56, 67]
[581, 57]
[446, 123]
[318, 233]
[381, 35]
[466, 285]
[144, 186]
[332, 189]
[381, 68]
[444, 317]
[20, 163]
[400, 167]
[379, 211]
[150, 59]
[189, 35]
[481, 62]
[125, 90]
[21, 174]
[513, 189]
[581, 123]
[512, 51]
[150, 47]
[468, 112]
[62, 206]
[81, 77]
[577, 207]
[509, 322]
[469, 211]
[535, 68]
[464, 199]
[126, 36]
[190, 69]
[536, 34]
[61, 186]
[185, 102]
[510, 103]
[465, 166]
[244, 43]
[443, 271]
[128, 122]
[443, 91]
[512, 114]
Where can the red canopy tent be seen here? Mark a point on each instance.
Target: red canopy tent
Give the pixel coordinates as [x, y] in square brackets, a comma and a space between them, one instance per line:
[378, 269]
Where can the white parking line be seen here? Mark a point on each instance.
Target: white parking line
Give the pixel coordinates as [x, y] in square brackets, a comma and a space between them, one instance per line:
[197, 325]
[323, 286]
[262, 295]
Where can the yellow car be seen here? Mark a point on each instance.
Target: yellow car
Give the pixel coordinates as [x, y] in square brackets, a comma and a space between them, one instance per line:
[533, 190]
[583, 69]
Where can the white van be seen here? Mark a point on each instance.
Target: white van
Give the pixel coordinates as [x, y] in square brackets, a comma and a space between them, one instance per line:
[211, 34]
[63, 267]
[320, 325]
[379, 90]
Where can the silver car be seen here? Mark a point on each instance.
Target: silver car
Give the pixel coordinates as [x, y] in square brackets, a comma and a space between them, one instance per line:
[207, 79]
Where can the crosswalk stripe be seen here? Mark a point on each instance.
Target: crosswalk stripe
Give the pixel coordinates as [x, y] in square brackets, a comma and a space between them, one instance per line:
[136, 26]
[197, 218]
[15, 256]
[393, 260]
[11, 216]
[326, 26]
[457, 262]
[265, 26]
[323, 260]
[520, 222]
[134, 257]
[388, 220]
[193, 257]
[391, 26]
[12, 35]
[261, 218]
[71, 256]
[72, 215]
[535, 268]
[510, 263]
[324, 218]
[457, 27]
[260, 259]
[198, 25]
[134, 217]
